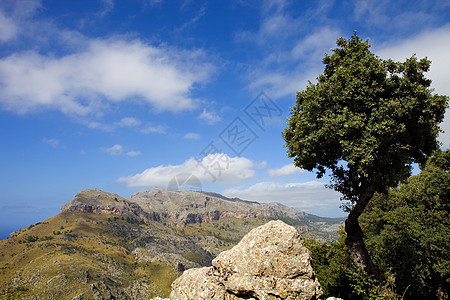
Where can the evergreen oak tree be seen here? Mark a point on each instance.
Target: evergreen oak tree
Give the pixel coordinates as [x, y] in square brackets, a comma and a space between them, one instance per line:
[407, 231]
[367, 120]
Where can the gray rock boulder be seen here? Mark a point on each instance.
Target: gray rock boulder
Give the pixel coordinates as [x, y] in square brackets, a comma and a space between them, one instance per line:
[270, 262]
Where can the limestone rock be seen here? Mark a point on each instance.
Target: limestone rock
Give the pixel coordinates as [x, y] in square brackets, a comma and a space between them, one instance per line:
[270, 262]
[198, 283]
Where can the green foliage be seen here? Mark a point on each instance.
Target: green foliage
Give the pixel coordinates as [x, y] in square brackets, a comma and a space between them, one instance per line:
[367, 287]
[333, 267]
[339, 277]
[366, 119]
[192, 256]
[135, 221]
[90, 250]
[408, 232]
[31, 239]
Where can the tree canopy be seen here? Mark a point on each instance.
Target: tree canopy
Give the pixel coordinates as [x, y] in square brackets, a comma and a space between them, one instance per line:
[367, 120]
[407, 231]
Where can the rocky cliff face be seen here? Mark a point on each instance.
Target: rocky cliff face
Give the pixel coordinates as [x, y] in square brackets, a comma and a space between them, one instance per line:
[180, 208]
[102, 245]
[97, 201]
[270, 262]
[186, 207]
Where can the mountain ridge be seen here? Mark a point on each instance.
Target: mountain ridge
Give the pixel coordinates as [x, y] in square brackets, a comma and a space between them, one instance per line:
[157, 204]
[102, 245]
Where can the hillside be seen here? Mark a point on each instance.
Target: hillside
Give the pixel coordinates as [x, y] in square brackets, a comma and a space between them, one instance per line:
[103, 246]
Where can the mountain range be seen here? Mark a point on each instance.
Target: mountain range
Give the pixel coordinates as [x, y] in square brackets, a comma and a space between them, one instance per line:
[104, 246]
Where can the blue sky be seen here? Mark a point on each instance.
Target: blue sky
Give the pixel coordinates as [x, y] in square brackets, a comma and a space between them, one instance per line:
[128, 95]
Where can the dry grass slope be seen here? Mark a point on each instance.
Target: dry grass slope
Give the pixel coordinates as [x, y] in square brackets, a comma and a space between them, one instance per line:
[102, 245]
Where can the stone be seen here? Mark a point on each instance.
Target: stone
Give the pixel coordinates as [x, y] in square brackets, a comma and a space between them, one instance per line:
[270, 262]
[198, 283]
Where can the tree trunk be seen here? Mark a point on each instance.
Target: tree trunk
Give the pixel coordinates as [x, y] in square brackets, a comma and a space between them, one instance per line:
[354, 240]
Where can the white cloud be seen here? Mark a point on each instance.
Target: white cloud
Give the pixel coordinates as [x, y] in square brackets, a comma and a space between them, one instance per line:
[95, 124]
[108, 6]
[191, 136]
[275, 73]
[400, 18]
[217, 168]
[133, 153]
[262, 164]
[129, 122]
[52, 142]
[433, 44]
[105, 70]
[200, 12]
[276, 24]
[23, 9]
[154, 129]
[114, 150]
[8, 29]
[211, 117]
[311, 196]
[430, 43]
[285, 170]
[279, 25]
[315, 44]
[118, 149]
[14, 16]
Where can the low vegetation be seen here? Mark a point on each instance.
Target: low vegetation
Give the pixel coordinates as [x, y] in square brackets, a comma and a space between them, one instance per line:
[75, 254]
[407, 233]
[85, 255]
[92, 254]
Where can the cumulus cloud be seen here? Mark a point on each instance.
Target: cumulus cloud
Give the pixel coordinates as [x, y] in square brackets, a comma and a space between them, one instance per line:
[14, 16]
[285, 170]
[133, 153]
[218, 168]
[113, 70]
[8, 28]
[52, 142]
[209, 117]
[191, 136]
[118, 149]
[154, 129]
[114, 150]
[311, 196]
[129, 122]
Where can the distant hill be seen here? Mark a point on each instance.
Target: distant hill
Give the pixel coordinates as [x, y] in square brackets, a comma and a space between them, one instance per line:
[103, 246]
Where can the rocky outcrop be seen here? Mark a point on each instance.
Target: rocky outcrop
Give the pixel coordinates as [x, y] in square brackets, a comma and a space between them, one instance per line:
[270, 262]
[192, 207]
[177, 208]
[100, 202]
